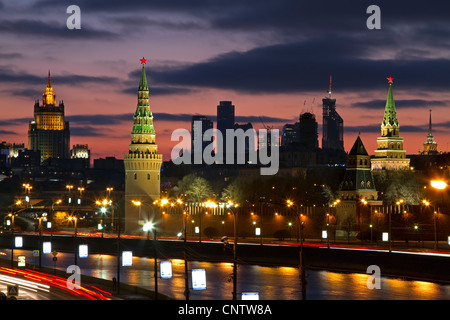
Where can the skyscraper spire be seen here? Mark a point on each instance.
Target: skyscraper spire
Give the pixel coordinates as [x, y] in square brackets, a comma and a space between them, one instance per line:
[329, 89]
[429, 127]
[49, 97]
[430, 146]
[49, 82]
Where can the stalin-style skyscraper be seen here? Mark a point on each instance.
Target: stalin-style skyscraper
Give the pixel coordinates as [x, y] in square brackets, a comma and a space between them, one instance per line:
[48, 132]
[142, 164]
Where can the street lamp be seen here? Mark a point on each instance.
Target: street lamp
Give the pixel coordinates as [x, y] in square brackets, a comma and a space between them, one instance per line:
[138, 204]
[109, 189]
[75, 219]
[439, 185]
[69, 187]
[301, 265]
[12, 237]
[80, 189]
[27, 192]
[233, 207]
[148, 227]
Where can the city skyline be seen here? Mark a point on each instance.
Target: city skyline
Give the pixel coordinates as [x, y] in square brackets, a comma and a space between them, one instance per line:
[271, 62]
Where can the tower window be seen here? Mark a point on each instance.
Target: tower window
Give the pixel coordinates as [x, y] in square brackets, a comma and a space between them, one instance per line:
[135, 176]
[148, 176]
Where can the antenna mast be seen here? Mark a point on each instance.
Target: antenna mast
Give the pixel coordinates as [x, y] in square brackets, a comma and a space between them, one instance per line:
[329, 89]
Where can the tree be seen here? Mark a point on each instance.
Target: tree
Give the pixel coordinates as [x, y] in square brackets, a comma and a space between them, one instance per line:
[395, 185]
[234, 192]
[199, 190]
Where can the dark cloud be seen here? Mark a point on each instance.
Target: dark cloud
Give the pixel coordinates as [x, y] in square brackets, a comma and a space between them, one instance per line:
[16, 121]
[376, 128]
[87, 131]
[8, 132]
[99, 119]
[306, 66]
[12, 55]
[161, 91]
[113, 119]
[27, 93]
[53, 29]
[8, 75]
[413, 103]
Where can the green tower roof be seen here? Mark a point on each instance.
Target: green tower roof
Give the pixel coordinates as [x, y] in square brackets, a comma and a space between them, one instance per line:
[390, 114]
[143, 83]
[358, 148]
[143, 117]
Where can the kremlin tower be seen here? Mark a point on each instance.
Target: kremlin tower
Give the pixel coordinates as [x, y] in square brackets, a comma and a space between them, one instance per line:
[142, 164]
[429, 146]
[390, 154]
[49, 133]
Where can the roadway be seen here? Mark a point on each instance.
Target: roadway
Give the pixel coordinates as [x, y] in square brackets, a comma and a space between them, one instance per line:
[34, 285]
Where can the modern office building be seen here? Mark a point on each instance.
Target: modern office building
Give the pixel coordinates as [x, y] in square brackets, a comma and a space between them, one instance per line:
[308, 136]
[290, 134]
[333, 125]
[225, 120]
[199, 125]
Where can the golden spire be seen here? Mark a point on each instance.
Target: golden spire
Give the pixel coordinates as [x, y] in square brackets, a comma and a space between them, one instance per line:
[49, 97]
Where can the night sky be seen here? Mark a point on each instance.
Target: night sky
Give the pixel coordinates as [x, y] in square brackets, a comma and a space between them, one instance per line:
[273, 59]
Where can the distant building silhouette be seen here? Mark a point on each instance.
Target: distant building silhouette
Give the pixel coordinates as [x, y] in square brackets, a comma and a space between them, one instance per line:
[333, 125]
[225, 120]
[199, 125]
[308, 131]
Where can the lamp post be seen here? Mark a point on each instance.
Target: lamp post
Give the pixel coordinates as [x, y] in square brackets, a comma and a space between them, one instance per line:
[51, 218]
[40, 241]
[328, 230]
[75, 219]
[301, 265]
[233, 207]
[438, 185]
[398, 203]
[12, 237]
[150, 227]
[69, 187]
[186, 274]
[27, 192]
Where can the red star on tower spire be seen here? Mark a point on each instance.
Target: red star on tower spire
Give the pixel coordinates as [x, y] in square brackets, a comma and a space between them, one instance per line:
[390, 79]
[143, 60]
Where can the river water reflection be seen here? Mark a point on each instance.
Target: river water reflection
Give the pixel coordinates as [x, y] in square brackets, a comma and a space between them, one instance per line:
[272, 283]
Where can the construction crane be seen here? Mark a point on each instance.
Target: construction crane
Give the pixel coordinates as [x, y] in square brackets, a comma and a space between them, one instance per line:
[264, 125]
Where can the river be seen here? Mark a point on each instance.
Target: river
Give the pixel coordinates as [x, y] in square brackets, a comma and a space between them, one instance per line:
[272, 283]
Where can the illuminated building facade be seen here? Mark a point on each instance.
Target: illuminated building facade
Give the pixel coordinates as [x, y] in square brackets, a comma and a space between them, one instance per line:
[390, 154]
[142, 163]
[48, 132]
